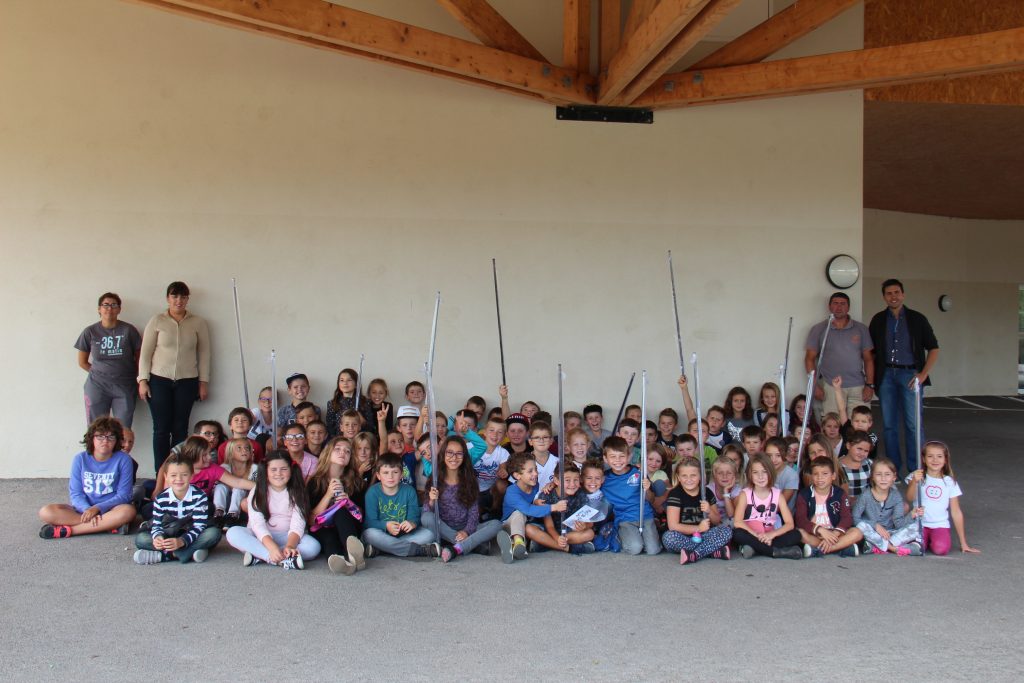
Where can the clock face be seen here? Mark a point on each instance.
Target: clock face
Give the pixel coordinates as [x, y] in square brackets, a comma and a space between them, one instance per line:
[842, 271]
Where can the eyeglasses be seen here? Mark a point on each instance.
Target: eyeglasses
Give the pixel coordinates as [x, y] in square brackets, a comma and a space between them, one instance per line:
[110, 305]
[208, 434]
[105, 437]
[540, 438]
[266, 400]
[453, 454]
[294, 437]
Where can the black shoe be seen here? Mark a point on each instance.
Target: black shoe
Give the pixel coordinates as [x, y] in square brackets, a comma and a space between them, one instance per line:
[789, 552]
[483, 549]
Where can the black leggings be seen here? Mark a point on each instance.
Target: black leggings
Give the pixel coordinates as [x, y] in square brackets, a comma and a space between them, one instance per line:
[333, 539]
[744, 537]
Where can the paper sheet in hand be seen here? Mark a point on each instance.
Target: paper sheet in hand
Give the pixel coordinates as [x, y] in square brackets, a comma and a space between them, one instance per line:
[584, 514]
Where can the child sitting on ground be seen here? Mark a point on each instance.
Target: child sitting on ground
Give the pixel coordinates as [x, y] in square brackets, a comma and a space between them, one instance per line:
[276, 532]
[456, 502]
[758, 507]
[880, 516]
[622, 487]
[521, 510]
[179, 529]
[823, 515]
[392, 517]
[100, 488]
[695, 528]
[575, 538]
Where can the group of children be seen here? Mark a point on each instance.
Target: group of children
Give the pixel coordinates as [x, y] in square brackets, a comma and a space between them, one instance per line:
[362, 482]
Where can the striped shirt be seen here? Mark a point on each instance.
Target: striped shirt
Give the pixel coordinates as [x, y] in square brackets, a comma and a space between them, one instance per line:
[167, 506]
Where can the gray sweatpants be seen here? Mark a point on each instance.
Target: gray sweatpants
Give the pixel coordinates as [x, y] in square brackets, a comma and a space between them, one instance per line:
[633, 542]
[104, 397]
[907, 534]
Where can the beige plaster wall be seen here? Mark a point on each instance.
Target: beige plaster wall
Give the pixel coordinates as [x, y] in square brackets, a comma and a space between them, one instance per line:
[139, 147]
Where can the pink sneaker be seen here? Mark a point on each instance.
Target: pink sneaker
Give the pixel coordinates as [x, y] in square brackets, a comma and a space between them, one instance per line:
[902, 552]
[878, 551]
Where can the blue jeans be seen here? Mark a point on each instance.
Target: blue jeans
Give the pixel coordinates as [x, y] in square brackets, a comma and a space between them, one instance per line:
[209, 538]
[899, 405]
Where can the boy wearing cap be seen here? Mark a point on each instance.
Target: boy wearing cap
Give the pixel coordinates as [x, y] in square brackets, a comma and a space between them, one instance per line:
[517, 428]
[298, 389]
[405, 422]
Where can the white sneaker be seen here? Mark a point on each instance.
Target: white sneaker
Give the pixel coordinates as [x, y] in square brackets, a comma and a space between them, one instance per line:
[148, 557]
[200, 555]
[250, 560]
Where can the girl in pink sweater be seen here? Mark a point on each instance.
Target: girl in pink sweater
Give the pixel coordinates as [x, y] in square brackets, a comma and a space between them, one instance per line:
[276, 532]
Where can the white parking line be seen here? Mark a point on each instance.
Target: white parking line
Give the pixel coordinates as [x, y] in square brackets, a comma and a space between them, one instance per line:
[963, 400]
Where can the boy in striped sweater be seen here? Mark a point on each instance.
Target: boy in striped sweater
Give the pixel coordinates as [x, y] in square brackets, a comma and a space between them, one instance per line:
[179, 528]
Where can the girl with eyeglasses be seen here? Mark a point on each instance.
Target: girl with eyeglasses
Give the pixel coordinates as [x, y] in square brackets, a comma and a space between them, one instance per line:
[100, 488]
[294, 439]
[456, 501]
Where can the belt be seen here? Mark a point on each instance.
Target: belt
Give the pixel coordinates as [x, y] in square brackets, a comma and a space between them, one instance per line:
[900, 367]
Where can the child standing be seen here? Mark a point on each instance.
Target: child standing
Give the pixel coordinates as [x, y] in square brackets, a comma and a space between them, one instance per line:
[491, 473]
[377, 391]
[941, 501]
[622, 487]
[179, 528]
[540, 442]
[757, 509]
[316, 437]
[298, 389]
[344, 400]
[880, 517]
[823, 515]
[392, 517]
[738, 412]
[685, 512]
[100, 488]
[276, 532]
[668, 420]
[593, 415]
[786, 478]
[577, 446]
[240, 426]
[263, 418]
[457, 502]
[767, 402]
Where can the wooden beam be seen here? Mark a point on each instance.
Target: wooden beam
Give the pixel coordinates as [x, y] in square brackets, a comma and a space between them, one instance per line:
[775, 33]
[638, 11]
[662, 25]
[609, 28]
[705, 22]
[394, 41]
[576, 35]
[992, 52]
[490, 28]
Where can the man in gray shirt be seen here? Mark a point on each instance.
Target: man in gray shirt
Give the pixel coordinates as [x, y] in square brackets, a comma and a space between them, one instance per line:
[847, 354]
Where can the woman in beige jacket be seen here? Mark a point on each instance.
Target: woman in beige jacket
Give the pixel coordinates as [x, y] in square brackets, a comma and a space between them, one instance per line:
[174, 369]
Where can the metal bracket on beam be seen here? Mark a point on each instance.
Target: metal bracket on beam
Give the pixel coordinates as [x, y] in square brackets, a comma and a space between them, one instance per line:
[605, 114]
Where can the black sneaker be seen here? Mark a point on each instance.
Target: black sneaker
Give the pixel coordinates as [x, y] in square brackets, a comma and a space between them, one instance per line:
[483, 549]
[429, 550]
[789, 552]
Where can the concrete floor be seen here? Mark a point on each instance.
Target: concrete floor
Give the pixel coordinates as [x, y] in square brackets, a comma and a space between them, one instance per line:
[80, 609]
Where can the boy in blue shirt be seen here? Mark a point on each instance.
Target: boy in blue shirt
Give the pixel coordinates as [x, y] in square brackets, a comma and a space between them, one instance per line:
[622, 490]
[392, 520]
[100, 488]
[523, 515]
